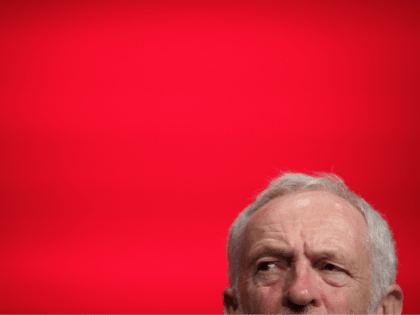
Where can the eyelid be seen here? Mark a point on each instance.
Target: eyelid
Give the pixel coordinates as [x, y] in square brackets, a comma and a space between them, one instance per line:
[282, 264]
[264, 261]
[328, 263]
[337, 267]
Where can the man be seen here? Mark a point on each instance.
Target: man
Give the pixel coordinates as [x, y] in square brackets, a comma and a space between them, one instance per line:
[310, 245]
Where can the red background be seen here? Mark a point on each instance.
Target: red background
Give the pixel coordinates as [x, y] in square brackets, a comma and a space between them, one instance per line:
[133, 133]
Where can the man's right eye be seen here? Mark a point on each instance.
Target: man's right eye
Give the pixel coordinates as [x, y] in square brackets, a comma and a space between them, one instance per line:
[266, 266]
[270, 272]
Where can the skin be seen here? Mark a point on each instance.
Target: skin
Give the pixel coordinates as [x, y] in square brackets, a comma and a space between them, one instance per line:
[286, 266]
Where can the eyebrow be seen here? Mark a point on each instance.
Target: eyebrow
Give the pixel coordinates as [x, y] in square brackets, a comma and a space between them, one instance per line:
[277, 252]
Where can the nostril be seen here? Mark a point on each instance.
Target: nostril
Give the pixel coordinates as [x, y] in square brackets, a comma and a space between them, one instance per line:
[293, 308]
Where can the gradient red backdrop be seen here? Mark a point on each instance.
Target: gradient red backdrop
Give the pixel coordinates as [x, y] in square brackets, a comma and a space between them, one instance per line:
[133, 133]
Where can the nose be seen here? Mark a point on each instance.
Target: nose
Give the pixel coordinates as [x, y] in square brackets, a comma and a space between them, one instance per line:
[302, 291]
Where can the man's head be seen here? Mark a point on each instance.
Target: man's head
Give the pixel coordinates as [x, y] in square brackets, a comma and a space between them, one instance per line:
[308, 244]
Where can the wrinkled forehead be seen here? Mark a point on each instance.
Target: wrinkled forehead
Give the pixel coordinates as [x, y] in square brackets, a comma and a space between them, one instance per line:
[314, 212]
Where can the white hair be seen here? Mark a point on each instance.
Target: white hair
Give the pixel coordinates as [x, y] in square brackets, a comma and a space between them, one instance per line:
[380, 244]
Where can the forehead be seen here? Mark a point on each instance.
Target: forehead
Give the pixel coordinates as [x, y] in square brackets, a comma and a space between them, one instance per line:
[315, 216]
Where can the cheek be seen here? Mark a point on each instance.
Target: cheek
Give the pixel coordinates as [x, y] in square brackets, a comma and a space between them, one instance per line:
[336, 300]
[266, 299]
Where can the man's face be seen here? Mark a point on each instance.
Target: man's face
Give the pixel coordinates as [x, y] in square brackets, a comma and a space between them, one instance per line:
[305, 253]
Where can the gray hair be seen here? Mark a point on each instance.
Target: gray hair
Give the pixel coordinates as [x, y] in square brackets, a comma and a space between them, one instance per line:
[380, 244]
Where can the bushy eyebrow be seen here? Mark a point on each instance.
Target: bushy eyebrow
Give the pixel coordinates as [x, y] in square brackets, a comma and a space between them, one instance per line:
[281, 253]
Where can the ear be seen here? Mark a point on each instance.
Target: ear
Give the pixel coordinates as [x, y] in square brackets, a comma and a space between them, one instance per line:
[392, 303]
[230, 303]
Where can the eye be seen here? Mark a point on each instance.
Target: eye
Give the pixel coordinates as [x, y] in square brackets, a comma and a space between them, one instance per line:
[331, 267]
[269, 273]
[266, 266]
[334, 275]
